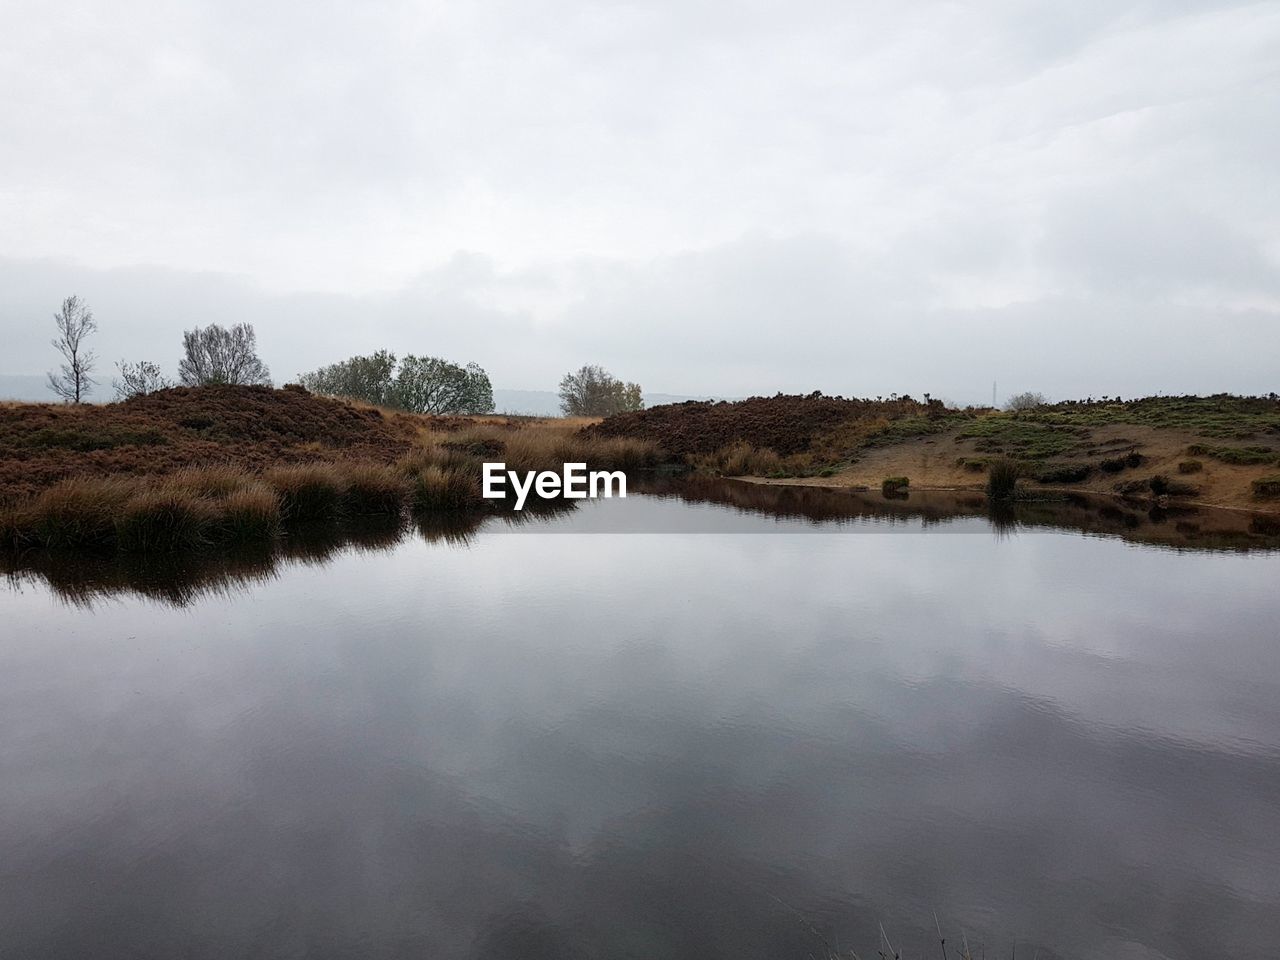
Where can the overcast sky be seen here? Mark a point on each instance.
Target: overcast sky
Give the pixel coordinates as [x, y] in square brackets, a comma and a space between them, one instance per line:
[735, 198]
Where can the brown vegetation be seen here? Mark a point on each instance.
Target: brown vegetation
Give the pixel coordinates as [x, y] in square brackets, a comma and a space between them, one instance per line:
[189, 467]
[785, 425]
[1112, 446]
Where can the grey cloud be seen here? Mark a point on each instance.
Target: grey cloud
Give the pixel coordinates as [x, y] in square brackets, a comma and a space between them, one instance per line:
[846, 196]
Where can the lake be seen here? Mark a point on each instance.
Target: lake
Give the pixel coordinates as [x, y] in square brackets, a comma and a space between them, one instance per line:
[784, 723]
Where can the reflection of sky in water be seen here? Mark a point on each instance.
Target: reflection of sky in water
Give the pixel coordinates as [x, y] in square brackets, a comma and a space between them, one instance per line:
[631, 745]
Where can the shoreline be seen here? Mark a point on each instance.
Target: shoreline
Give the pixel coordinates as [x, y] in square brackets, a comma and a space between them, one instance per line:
[1261, 507]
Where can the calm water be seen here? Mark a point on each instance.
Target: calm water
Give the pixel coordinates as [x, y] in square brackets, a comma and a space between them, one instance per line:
[734, 739]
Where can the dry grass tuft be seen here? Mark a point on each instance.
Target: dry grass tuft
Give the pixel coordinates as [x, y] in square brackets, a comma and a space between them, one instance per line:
[166, 517]
[308, 491]
[78, 512]
[374, 489]
[216, 482]
[250, 514]
[1002, 478]
[441, 488]
[741, 459]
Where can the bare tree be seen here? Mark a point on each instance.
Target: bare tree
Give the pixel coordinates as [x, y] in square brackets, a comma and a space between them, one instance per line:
[139, 379]
[594, 392]
[214, 354]
[1025, 401]
[75, 322]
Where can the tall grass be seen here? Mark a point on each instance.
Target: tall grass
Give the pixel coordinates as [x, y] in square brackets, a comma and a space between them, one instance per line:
[78, 512]
[217, 482]
[164, 517]
[374, 489]
[189, 507]
[441, 488]
[250, 514]
[1002, 478]
[308, 491]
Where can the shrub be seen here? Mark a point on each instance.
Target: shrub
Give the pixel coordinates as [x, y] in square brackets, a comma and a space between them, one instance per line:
[1190, 466]
[1025, 401]
[827, 472]
[1116, 464]
[1002, 478]
[1245, 456]
[160, 518]
[372, 488]
[1264, 488]
[250, 514]
[1065, 473]
[308, 491]
[1248, 456]
[892, 485]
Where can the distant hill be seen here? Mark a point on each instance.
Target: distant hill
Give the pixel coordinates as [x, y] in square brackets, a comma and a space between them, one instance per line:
[546, 403]
[26, 386]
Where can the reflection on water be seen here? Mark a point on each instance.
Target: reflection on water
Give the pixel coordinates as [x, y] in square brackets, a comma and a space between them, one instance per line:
[81, 577]
[456, 743]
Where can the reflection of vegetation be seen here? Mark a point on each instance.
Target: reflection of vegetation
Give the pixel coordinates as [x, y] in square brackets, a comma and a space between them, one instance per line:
[1183, 528]
[82, 576]
[894, 486]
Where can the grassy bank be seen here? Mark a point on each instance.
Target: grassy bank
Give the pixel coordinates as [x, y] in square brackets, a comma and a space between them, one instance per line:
[1222, 450]
[193, 468]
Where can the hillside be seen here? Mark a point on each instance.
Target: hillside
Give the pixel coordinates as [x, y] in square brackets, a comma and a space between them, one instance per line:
[1222, 450]
[249, 427]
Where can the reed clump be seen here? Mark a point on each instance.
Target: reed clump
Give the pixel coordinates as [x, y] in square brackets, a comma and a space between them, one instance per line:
[308, 491]
[374, 489]
[1002, 478]
[215, 482]
[77, 512]
[162, 518]
[441, 488]
[250, 514]
[741, 459]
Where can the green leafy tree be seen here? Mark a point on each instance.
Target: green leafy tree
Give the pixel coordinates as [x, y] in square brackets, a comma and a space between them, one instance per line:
[592, 391]
[433, 385]
[370, 378]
